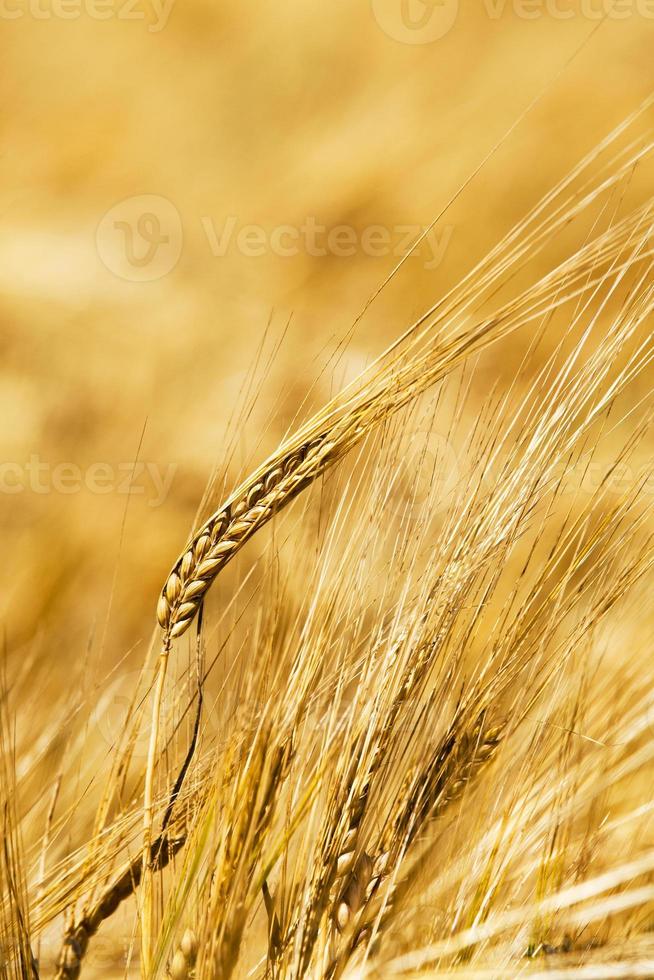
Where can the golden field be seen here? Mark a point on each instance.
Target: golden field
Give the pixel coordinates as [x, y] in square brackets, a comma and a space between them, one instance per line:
[200, 205]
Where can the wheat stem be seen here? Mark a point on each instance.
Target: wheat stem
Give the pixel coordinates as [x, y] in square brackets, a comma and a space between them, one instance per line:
[78, 936]
[148, 808]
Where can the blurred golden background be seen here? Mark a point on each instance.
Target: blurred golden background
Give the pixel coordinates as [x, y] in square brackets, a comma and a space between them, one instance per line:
[176, 180]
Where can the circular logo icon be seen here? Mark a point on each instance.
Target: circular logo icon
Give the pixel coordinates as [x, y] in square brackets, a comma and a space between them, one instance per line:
[112, 710]
[416, 21]
[428, 477]
[140, 239]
